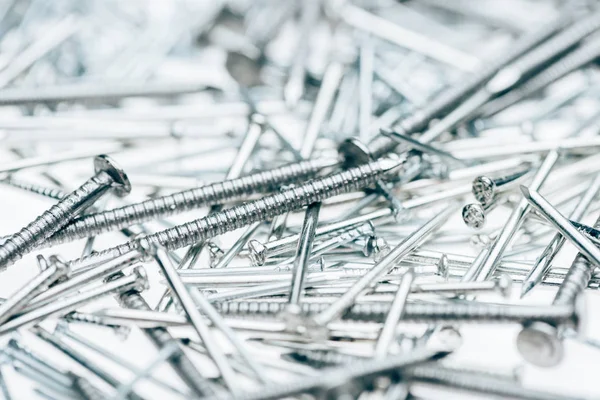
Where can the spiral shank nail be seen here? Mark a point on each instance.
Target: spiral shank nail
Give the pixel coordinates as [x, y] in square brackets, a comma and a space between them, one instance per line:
[259, 210]
[482, 384]
[577, 278]
[45, 191]
[214, 193]
[576, 60]
[50, 221]
[161, 338]
[560, 43]
[418, 312]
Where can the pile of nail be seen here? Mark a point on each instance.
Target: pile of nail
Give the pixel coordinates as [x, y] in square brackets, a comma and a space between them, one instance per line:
[322, 199]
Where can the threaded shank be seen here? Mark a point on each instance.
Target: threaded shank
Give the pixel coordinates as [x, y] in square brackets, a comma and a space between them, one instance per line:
[259, 210]
[418, 312]
[53, 219]
[45, 191]
[94, 224]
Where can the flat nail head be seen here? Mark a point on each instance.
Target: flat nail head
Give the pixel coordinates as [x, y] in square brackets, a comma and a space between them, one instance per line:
[104, 163]
[474, 215]
[539, 344]
[483, 189]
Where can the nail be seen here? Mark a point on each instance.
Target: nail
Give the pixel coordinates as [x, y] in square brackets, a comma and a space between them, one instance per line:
[135, 280]
[182, 365]
[388, 332]
[19, 299]
[408, 244]
[563, 225]
[71, 352]
[179, 291]
[213, 315]
[442, 104]
[485, 189]
[108, 175]
[504, 238]
[163, 206]
[542, 262]
[258, 210]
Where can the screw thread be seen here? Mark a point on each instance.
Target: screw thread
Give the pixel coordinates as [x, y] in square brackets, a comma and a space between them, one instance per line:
[53, 219]
[258, 210]
[53, 193]
[214, 193]
[162, 338]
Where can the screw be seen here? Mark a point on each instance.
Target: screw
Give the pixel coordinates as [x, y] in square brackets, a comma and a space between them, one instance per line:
[504, 238]
[132, 214]
[135, 280]
[19, 299]
[108, 175]
[542, 263]
[254, 211]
